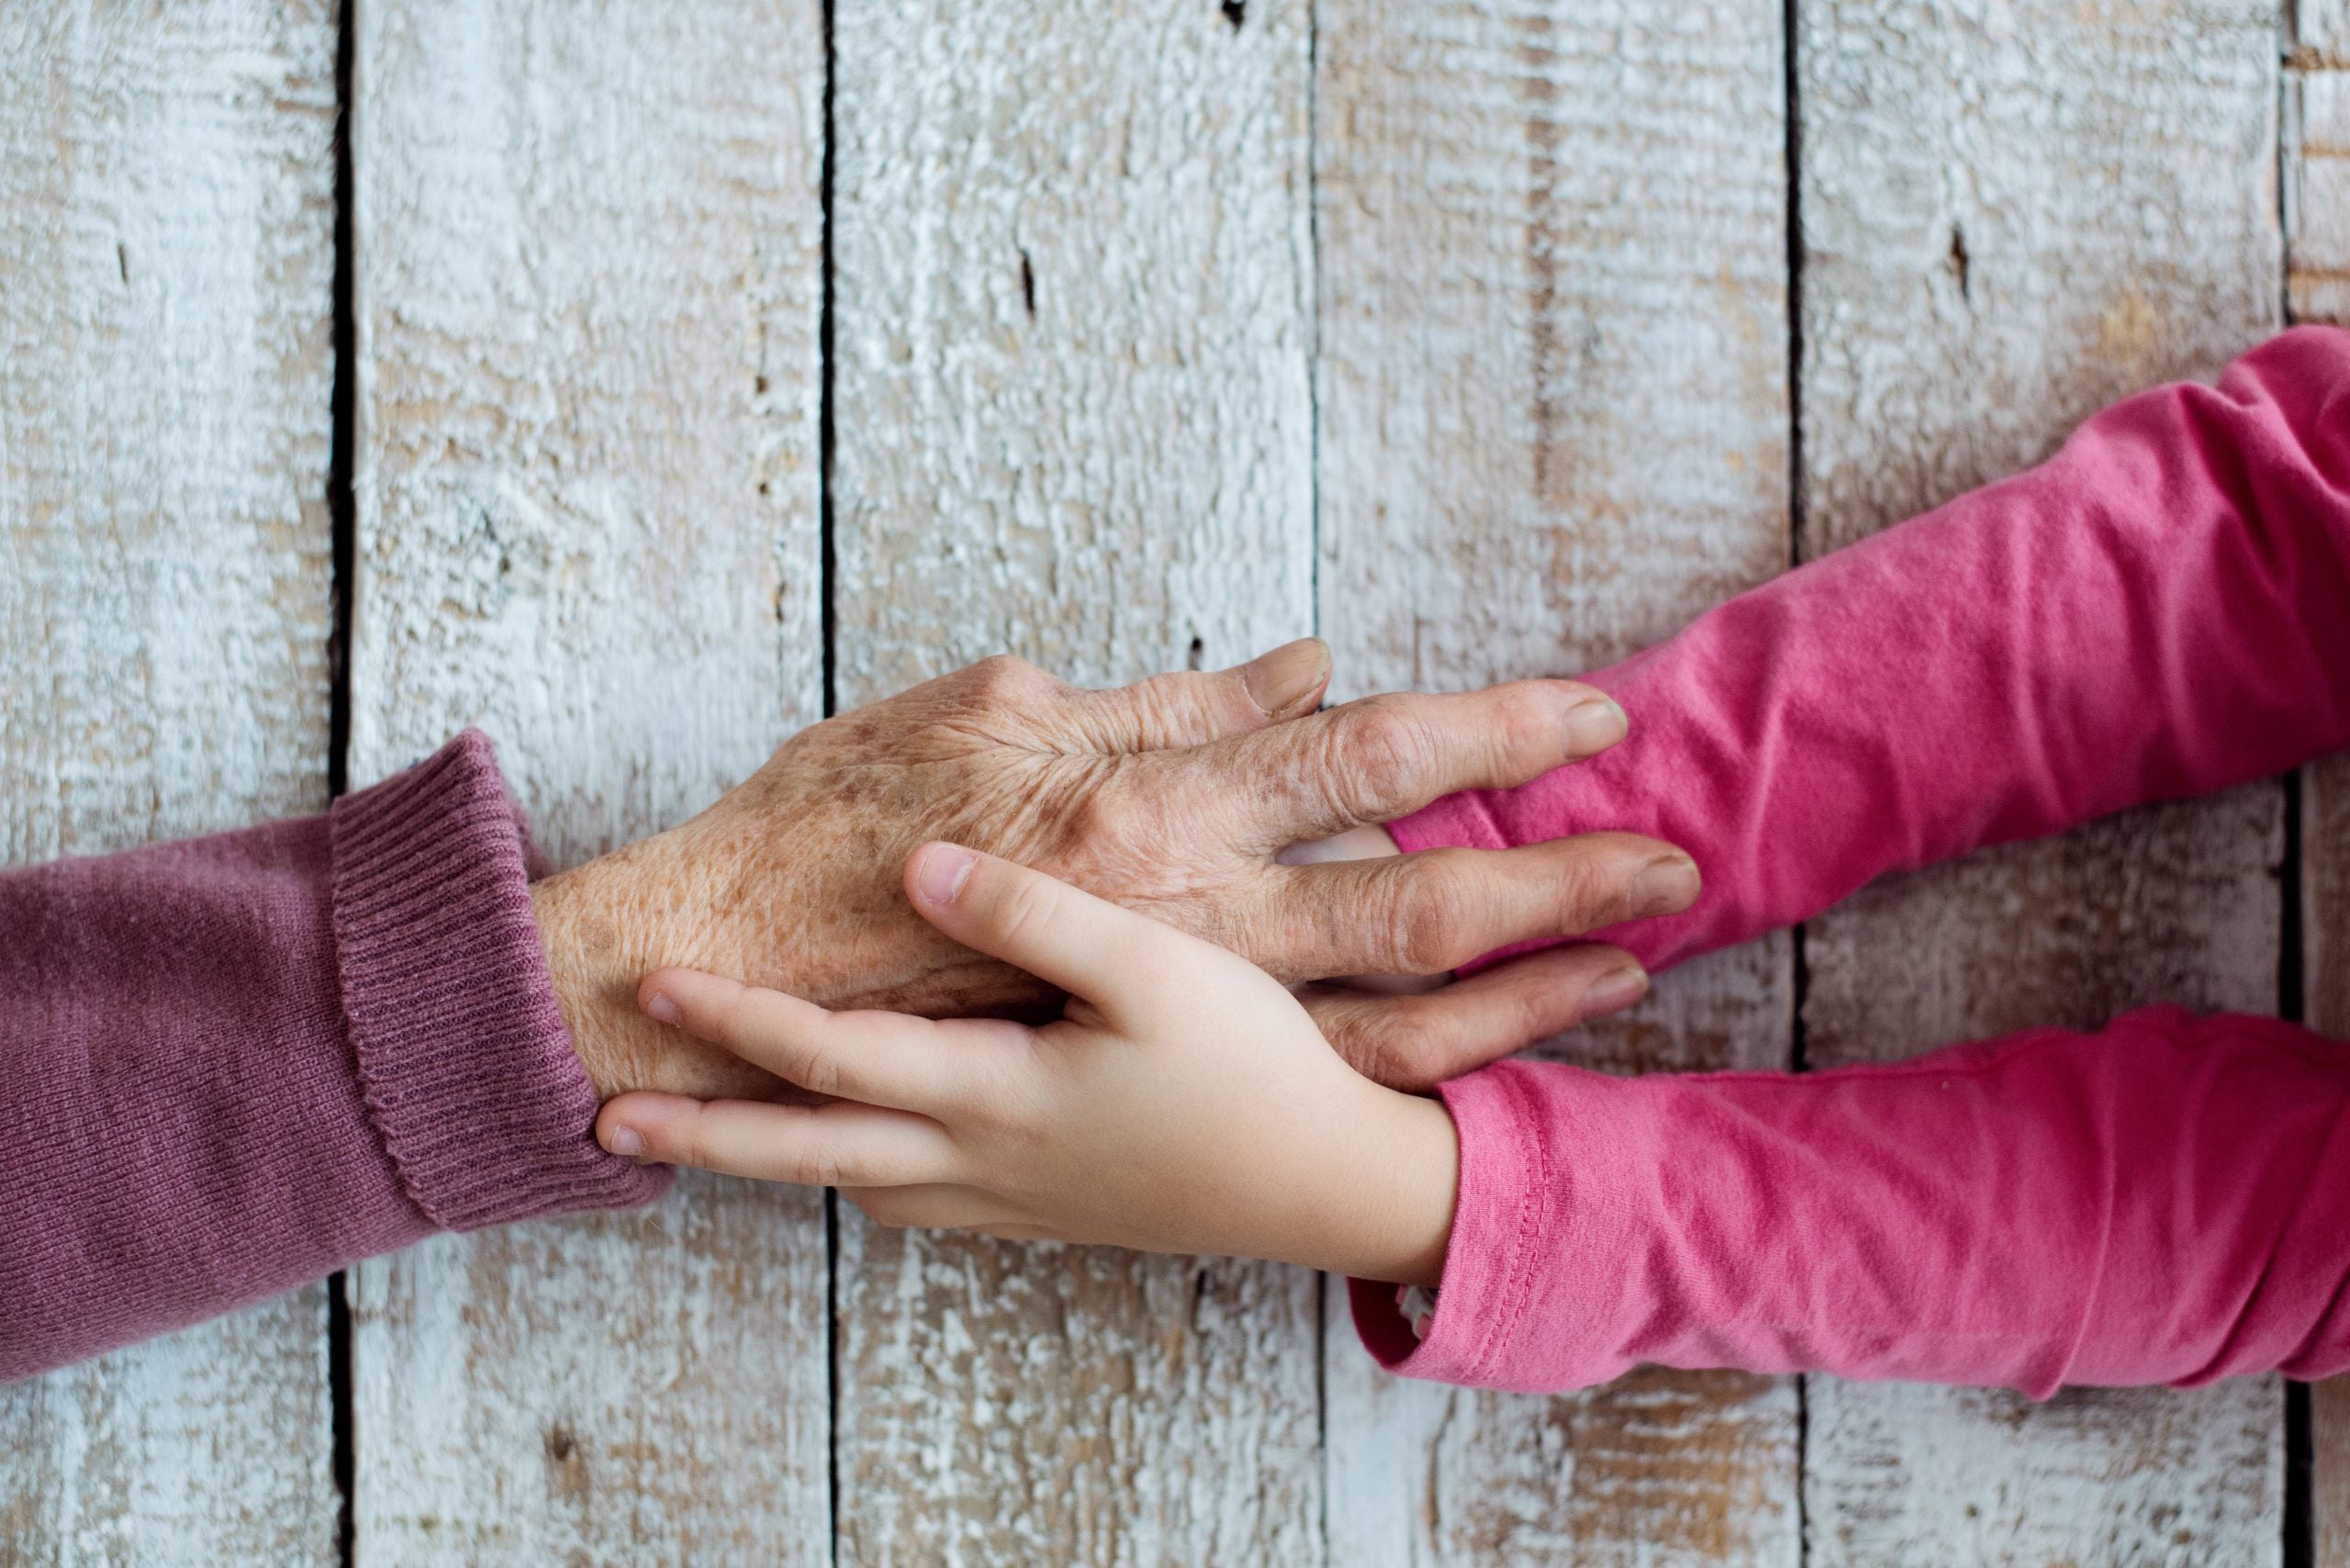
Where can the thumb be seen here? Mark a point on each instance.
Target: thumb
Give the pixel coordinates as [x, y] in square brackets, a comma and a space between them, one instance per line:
[1192, 708]
[1128, 964]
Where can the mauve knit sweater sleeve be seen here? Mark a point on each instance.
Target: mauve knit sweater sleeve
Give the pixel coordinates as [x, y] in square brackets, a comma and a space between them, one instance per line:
[2160, 610]
[232, 1065]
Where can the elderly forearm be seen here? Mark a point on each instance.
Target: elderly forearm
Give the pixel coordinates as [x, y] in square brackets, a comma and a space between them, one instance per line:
[2160, 610]
[232, 1065]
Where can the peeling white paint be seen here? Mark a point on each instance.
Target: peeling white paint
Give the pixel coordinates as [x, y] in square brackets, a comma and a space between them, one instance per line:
[589, 286]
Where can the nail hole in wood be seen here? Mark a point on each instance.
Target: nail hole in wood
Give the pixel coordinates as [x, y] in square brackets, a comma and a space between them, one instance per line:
[1962, 265]
[1028, 284]
[122, 260]
[1199, 651]
[1235, 11]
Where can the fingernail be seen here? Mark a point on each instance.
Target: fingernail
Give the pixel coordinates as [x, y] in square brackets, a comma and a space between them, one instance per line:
[1665, 886]
[1594, 725]
[658, 1005]
[1279, 682]
[942, 872]
[626, 1142]
[1616, 991]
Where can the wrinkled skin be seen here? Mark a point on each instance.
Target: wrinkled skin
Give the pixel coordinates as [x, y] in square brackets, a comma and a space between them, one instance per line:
[1174, 797]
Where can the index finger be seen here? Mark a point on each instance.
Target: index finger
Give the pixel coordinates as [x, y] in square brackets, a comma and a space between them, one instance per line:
[1128, 964]
[882, 1058]
[1382, 758]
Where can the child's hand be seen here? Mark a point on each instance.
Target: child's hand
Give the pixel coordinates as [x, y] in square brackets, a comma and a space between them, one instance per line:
[1185, 1104]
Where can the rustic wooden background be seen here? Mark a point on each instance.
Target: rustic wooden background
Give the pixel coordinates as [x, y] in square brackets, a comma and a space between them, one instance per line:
[638, 380]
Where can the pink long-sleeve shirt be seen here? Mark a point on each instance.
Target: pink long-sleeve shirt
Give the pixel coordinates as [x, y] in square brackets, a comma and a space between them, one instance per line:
[230, 1066]
[2160, 610]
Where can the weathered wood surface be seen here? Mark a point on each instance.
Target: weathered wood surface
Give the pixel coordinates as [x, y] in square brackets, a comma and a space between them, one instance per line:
[587, 300]
[1072, 294]
[2317, 216]
[1553, 388]
[2317, 181]
[2008, 220]
[166, 309]
[2321, 32]
[1099, 273]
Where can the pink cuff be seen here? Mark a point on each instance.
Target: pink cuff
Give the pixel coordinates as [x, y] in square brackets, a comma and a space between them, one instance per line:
[466, 1068]
[1502, 1226]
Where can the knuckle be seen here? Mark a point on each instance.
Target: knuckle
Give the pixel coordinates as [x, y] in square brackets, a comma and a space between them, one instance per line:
[1001, 678]
[1382, 750]
[688, 1143]
[1028, 908]
[1101, 814]
[816, 1067]
[1425, 939]
[1526, 722]
[1381, 1050]
[1432, 914]
[815, 1166]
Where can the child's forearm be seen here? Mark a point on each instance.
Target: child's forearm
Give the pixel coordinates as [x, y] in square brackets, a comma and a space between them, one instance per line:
[2163, 1202]
[2160, 610]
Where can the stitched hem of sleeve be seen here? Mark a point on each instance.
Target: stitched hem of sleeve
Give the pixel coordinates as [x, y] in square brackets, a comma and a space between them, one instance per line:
[1462, 820]
[464, 1060]
[1498, 1219]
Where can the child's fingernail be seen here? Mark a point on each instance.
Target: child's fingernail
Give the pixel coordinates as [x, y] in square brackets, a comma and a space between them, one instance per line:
[626, 1142]
[942, 872]
[658, 1005]
[1617, 991]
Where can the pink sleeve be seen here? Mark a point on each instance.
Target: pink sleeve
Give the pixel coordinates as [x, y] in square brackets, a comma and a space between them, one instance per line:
[2165, 1202]
[230, 1065]
[2160, 610]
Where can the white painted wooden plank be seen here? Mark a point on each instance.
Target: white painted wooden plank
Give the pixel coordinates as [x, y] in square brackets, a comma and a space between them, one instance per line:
[166, 213]
[2321, 30]
[2326, 908]
[1907, 1474]
[2330, 1458]
[1555, 427]
[589, 248]
[2317, 273]
[2317, 193]
[1073, 420]
[2012, 216]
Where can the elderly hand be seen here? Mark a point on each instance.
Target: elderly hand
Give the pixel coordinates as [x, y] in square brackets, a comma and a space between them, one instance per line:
[1184, 1104]
[1175, 796]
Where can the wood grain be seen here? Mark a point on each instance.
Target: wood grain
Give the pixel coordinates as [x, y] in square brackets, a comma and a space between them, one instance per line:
[1553, 394]
[166, 220]
[2321, 30]
[1909, 1474]
[2009, 221]
[2317, 188]
[2317, 216]
[588, 282]
[1073, 420]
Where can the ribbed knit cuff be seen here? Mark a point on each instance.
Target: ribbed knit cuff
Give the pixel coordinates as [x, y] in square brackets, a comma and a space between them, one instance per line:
[465, 1064]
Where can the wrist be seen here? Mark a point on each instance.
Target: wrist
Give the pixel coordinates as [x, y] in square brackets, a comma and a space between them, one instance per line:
[1392, 1211]
[605, 926]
